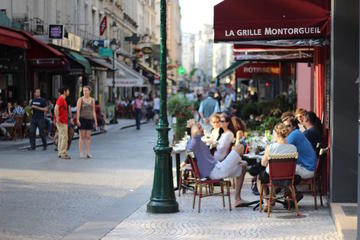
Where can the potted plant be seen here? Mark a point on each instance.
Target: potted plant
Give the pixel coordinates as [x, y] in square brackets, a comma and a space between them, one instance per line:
[180, 108]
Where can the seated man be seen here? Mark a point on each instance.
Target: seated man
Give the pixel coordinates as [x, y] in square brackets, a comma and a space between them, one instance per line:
[231, 166]
[306, 163]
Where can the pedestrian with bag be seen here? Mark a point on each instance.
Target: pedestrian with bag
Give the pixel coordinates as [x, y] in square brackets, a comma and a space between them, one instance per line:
[86, 120]
[39, 107]
[61, 122]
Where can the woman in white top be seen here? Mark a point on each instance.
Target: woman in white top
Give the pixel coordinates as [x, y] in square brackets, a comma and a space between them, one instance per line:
[226, 139]
[216, 130]
[279, 147]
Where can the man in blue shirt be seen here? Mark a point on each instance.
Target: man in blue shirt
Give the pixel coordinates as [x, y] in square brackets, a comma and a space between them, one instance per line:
[306, 163]
[231, 166]
[39, 107]
[207, 107]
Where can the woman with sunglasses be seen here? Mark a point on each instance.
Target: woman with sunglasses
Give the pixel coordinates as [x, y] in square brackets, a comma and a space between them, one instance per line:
[239, 130]
[226, 139]
[216, 131]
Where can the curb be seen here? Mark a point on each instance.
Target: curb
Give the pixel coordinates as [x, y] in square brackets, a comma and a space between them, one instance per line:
[52, 142]
[77, 137]
[133, 125]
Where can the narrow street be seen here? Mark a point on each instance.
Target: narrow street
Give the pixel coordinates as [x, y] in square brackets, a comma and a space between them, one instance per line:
[43, 197]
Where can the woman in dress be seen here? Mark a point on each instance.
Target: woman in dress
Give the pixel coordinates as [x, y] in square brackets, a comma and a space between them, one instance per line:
[86, 120]
[226, 139]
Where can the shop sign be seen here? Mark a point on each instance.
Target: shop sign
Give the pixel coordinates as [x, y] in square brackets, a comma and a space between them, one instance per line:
[248, 70]
[73, 42]
[105, 52]
[272, 32]
[56, 31]
[181, 70]
[126, 82]
[103, 25]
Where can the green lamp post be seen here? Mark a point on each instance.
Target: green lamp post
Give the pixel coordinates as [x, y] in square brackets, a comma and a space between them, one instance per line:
[163, 197]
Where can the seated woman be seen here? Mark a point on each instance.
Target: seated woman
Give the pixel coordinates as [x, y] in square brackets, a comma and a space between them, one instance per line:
[314, 129]
[239, 129]
[216, 131]
[232, 166]
[226, 139]
[279, 147]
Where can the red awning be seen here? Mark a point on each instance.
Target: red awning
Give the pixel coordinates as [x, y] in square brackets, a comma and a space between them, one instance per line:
[41, 55]
[12, 38]
[39, 49]
[246, 20]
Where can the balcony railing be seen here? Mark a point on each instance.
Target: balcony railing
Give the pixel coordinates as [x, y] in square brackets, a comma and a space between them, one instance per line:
[6, 22]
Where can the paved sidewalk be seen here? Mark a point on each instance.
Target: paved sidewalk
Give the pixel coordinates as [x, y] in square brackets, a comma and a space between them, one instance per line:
[24, 143]
[214, 222]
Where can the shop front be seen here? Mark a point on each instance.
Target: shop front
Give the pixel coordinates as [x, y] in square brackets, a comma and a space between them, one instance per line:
[295, 33]
[13, 47]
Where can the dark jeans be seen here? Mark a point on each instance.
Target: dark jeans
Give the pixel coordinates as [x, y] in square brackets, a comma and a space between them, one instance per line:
[37, 123]
[138, 117]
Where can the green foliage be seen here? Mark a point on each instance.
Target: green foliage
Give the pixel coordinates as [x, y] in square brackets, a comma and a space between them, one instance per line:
[263, 115]
[182, 109]
[248, 109]
[270, 122]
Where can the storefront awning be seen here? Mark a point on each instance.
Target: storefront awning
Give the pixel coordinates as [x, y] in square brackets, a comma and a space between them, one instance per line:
[82, 61]
[126, 77]
[247, 20]
[230, 69]
[41, 55]
[13, 38]
[100, 63]
[146, 68]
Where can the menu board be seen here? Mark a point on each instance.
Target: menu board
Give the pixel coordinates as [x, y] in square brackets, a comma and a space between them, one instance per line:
[56, 31]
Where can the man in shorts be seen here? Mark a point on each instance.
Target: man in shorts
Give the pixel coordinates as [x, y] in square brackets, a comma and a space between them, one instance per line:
[231, 166]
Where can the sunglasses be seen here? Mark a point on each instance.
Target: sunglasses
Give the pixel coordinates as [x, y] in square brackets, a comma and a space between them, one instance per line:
[223, 121]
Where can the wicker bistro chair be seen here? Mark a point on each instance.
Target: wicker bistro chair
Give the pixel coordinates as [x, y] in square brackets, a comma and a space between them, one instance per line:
[186, 180]
[281, 174]
[204, 182]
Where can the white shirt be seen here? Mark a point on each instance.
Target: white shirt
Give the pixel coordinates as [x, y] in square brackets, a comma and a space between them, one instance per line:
[223, 146]
[157, 104]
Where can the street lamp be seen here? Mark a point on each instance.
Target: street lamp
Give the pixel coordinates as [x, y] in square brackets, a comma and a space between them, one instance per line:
[163, 197]
[114, 46]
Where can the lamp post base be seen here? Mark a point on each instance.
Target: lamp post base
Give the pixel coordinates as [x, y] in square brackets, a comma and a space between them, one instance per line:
[162, 206]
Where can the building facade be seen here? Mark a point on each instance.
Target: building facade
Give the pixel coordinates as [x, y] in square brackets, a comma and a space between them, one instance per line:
[204, 51]
[188, 51]
[81, 20]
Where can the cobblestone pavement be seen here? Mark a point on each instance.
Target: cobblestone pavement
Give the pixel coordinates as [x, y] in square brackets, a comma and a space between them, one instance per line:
[216, 222]
[44, 197]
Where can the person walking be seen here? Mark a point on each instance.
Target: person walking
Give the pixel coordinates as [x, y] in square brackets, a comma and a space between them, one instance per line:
[86, 120]
[138, 106]
[39, 107]
[207, 107]
[61, 121]
[156, 109]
